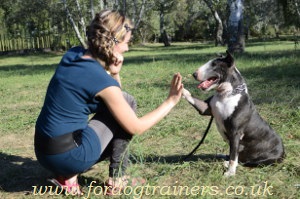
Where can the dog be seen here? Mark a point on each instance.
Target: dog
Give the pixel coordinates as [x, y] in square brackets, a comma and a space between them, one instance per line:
[251, 140]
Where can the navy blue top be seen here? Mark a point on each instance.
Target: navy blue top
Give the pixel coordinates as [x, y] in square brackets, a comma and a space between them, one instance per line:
[70, 97]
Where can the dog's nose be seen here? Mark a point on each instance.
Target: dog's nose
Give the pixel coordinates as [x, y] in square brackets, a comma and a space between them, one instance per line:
[195, 75]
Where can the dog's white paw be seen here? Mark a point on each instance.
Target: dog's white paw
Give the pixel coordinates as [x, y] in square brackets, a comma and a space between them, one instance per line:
[229, 173]
[226, 164]
[186, 93]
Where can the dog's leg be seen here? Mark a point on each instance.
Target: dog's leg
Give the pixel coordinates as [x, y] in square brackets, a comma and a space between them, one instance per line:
[233, 155]
[201, 106]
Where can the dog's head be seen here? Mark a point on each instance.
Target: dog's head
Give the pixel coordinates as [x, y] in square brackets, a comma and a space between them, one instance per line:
[214, 72]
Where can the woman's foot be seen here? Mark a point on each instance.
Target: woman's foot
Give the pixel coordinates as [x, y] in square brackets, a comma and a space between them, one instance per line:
[115, 186]
[69, 184]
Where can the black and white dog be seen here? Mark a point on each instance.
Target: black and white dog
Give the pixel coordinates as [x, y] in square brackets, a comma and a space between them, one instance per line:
[252, 141]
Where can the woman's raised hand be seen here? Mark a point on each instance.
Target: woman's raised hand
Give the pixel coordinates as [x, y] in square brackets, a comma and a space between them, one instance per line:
[176, 89]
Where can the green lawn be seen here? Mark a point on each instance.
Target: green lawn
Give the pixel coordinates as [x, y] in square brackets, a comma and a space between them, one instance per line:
[271, 69]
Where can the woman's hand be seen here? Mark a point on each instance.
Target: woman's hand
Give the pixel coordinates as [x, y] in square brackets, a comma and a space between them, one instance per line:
[176, 89]
[115, 67]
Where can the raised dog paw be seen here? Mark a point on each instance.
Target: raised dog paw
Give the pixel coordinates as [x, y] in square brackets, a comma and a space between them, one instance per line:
[186, 93]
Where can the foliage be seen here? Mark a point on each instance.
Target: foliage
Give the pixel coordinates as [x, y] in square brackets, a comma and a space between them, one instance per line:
[25, 12]
[291, 10]
[184, 20]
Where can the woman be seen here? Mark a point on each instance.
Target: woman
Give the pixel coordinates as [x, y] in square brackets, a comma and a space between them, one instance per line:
[86, 82]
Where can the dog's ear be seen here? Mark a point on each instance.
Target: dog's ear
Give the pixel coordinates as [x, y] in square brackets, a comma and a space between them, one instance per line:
[229, 59]
[220, 55]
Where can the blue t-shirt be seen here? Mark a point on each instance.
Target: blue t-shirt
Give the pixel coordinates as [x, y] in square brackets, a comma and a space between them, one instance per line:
[70, 97]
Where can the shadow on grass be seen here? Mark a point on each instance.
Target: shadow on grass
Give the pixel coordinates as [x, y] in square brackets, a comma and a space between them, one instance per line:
[173, 47]
[44, 55]
[19, 174]
[20, 70]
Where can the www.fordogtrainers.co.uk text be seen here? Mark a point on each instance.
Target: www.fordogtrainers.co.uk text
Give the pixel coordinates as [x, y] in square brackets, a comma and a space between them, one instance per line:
[175, 190]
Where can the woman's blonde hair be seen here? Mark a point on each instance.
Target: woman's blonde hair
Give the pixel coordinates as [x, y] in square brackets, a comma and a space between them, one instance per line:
[108, 28]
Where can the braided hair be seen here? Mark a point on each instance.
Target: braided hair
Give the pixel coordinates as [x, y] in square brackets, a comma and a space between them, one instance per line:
[107, 29]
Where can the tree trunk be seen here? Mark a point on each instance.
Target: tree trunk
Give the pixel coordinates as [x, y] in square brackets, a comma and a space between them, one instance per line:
[219, 29]
[165, 39]
[236, 41]
[163, 34]
[138, 14]
[297, 7]
[219, 24]
[116, 5]
[102, 4]
[124, 7]
[92, 9]
[81, 21]
[75, 27]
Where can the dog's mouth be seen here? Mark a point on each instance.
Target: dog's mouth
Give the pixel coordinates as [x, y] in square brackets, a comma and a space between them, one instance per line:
[208, 83]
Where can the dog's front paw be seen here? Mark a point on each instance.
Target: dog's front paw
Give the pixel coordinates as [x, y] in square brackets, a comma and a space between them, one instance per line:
[229, 173]
[186, 93]
[226, 164]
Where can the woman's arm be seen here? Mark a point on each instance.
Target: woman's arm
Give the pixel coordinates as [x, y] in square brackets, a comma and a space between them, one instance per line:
[126, 117]
[117, 78]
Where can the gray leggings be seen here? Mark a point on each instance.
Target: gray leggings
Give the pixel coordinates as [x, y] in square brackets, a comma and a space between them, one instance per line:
[113, 138]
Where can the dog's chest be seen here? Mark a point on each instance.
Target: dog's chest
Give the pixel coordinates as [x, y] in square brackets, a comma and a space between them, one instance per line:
[223, 107]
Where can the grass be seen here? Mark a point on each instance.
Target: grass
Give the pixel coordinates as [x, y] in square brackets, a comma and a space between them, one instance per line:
[272, 71]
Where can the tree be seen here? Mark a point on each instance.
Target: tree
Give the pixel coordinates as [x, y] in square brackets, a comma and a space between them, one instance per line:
[38, 21]
[236, 41]
[25, 13]
[73, 23]
[164, 6]
[92, 9]
[138, 12]
[103, 4]
[212, 5]
[124, 7]
[291, 10]
[192, 21]
[262, 18]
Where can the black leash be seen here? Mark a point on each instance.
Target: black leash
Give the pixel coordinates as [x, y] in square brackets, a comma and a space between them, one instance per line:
[201, 141]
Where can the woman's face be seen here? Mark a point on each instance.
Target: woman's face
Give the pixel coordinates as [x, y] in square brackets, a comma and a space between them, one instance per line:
[122, 47]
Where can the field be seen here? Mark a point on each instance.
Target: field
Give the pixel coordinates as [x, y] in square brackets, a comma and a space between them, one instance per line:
[272, 72]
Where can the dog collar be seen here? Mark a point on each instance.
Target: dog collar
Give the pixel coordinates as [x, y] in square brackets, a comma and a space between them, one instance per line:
[239, 89]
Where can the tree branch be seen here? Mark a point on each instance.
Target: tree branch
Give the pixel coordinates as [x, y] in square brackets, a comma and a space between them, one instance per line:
[78, 35]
